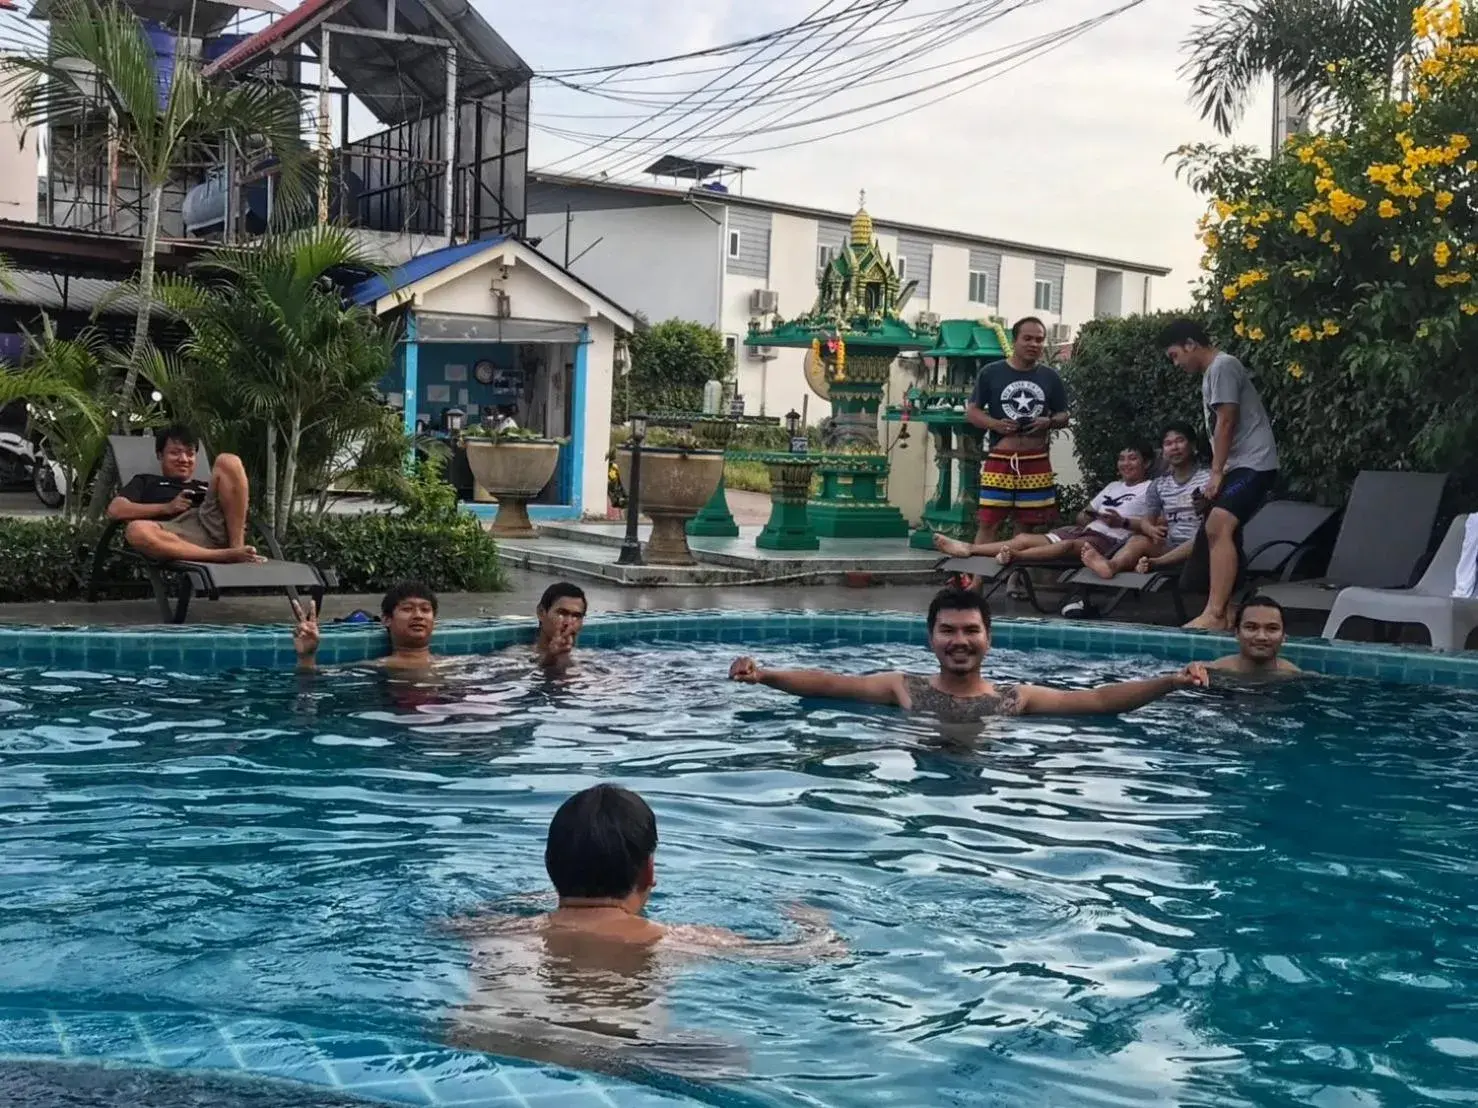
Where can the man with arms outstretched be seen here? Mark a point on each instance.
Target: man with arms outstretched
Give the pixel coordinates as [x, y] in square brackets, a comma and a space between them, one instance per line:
[172, 517]
[959, 635]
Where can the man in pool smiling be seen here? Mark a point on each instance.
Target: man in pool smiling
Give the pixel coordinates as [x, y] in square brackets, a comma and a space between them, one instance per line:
[959, 635]
[408, 614]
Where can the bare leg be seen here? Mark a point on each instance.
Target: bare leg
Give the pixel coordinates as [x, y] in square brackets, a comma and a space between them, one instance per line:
[228, 478]
[1126, 556]
[153, 541]
[1037, 548]
[954, 548]
[1221, 541]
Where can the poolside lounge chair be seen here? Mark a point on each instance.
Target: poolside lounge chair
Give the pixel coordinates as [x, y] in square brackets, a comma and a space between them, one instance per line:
[134, 454]
[1274, 543]
[992, 574]
[1382, 539]
[1449, 620]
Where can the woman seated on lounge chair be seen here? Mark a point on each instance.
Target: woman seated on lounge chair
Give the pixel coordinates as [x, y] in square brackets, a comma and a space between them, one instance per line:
[1097, 539]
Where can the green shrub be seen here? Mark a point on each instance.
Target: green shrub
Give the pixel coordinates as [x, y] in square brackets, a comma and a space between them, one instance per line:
[51, 559]
[1125, 390]
[747, 476]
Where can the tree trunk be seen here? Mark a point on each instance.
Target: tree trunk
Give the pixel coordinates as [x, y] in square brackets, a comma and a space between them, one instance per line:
[269, 501]
[290, 475]
[102, 487]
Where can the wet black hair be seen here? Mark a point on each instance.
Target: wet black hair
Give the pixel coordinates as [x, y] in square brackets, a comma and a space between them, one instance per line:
[1178, 332]
[598, 842]
[407, 590]
[561, 590]
[1022, 322]
[1256, 600]
[175, 432]
[958, 600]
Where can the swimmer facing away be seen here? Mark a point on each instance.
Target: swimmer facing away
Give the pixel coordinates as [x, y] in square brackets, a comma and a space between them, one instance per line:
[584, 985]
[959, 635]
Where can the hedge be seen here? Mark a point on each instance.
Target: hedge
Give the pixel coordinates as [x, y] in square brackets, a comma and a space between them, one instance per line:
[1124, 389]
[50, 559]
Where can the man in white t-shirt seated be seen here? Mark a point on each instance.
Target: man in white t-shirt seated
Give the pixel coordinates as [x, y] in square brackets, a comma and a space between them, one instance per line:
[1100, 531]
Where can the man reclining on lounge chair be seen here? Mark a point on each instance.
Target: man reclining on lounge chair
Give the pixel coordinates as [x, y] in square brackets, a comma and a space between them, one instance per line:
[1167, 534]
[1101, 531]
[173, 518]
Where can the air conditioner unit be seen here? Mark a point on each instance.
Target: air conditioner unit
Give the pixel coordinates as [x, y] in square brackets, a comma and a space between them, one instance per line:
[761, 353]
[927, 320]
[1060, 333]
[764, 301]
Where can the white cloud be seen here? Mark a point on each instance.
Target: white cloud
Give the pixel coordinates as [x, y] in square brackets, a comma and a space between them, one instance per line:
[1069, 151]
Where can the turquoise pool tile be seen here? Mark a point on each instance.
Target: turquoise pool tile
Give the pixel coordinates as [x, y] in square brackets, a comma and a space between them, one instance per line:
[28, 1033]
[101, 1036]
[178, 1030]
[398, 1092]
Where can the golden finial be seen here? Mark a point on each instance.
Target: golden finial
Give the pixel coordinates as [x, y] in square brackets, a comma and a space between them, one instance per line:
[862, 223]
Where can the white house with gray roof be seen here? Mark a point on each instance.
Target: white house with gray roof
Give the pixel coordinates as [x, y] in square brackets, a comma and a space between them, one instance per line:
[721, 259]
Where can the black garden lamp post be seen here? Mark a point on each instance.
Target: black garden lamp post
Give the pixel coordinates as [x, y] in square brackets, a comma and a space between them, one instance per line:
[798, 443]
[631, 545]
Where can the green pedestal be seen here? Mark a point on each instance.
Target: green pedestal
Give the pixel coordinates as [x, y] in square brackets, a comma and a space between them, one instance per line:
[789, 526]
[852, 502]
[715, 520]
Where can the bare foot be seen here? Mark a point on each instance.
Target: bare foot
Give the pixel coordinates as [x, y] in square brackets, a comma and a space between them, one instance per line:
[952, 548]
[1209, 621]
[1005, 556]
[1096, 562]
[240, 554]
[1143, 566]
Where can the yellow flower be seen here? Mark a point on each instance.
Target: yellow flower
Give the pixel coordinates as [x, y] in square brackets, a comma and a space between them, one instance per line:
[1382, 173]
[1469, 307]
[1223, 209]
[1404, 108]
[1329, 328]
[1443, 200]
[1255, 334]
[1441, 254]
[1251, 277]
[1211, 239]
[1447, 280]
[1250, 241]
[1327, 237]
[1302, 222]
[1229, 292]
[1330, 67]
[1395, 253]
[1302, 333]
[1344, 206]
[1240, 329]
[1295, 370]
[1386, 209]
[1305, 154]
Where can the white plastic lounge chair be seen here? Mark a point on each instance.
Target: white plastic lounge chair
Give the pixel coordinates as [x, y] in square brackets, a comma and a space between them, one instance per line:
[1385, 534]
[1448, 619]
[134, 454]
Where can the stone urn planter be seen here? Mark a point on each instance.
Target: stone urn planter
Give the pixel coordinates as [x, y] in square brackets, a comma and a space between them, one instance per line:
[514, 471]
[675, 484]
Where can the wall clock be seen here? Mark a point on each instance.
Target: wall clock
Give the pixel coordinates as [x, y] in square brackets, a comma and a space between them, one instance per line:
[484, 371]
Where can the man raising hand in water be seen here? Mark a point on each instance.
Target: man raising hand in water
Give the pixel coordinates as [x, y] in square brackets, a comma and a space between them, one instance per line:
[959, 634]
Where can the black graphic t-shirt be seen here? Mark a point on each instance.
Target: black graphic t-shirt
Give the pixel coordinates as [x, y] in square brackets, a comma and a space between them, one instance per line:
[1006, 392]
[151, 488]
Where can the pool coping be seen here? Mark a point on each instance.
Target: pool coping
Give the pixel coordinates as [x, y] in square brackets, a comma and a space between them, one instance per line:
[205, 649]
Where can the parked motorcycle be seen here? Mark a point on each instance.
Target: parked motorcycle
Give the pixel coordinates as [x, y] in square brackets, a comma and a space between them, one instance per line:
[25, 461]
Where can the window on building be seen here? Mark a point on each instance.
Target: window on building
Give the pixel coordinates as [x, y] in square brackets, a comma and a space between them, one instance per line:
[902, 269]
[733, 244]
[979, 287]
[825, 255]
[1042, 301]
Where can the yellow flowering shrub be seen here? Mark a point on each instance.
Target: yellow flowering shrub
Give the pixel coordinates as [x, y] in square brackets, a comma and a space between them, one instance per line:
[1343, 270]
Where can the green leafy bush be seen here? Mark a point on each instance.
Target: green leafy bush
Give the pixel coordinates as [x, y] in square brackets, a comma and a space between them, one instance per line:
[1124, 390]
[670, 364]
[51, 559]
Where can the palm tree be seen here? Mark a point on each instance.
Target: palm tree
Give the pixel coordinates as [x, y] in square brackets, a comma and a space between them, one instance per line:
[119, 73]
[277, 368]
[1237, 43]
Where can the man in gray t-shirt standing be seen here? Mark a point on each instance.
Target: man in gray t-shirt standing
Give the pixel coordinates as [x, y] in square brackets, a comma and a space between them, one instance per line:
[1244, 457]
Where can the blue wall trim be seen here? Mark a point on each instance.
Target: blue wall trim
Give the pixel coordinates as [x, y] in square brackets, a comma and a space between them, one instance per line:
[579, 388]
[410, 361]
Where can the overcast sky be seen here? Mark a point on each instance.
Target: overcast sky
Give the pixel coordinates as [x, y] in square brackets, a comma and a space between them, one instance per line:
[1067, 151]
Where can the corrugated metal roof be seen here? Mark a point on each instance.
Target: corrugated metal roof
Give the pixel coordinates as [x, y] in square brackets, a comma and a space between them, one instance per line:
[204, 16]
[400, 80]
[56, 293]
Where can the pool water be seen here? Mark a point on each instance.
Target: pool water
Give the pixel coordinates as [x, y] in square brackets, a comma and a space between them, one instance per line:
[1263, 897]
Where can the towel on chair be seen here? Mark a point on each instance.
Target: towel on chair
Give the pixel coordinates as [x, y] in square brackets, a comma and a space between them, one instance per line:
[1465, 582]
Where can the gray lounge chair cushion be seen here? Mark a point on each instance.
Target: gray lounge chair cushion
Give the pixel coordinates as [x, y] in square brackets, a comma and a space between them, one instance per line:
[254, 575]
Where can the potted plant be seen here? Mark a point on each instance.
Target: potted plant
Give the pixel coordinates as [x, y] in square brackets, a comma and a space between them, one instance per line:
[678, 477]
[513, 465]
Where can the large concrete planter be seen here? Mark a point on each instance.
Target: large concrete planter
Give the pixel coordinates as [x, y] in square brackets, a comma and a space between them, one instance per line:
[675, 484]
[515, 471]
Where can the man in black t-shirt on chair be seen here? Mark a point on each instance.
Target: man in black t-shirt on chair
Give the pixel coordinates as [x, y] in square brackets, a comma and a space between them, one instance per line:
[172, 517]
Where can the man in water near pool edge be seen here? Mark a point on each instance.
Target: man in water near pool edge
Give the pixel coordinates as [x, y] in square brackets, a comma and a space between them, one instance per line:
[1260, 634]
[959, 635]
[561, 614]
[408, 614]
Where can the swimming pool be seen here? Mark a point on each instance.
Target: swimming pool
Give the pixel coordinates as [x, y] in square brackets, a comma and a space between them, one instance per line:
[1256, 898]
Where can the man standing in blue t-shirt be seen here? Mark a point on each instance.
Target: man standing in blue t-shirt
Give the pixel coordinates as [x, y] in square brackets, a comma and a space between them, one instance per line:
[1244, 457]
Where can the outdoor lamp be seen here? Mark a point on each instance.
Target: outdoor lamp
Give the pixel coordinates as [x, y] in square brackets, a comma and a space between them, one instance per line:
[638, 427]
[792, 422]
[156, 396]
[621, 359]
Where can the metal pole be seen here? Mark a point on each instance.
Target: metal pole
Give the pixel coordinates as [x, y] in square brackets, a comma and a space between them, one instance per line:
[450, 140]
[325, 131]
[631, 545]
[569, 218]
[390, 16]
